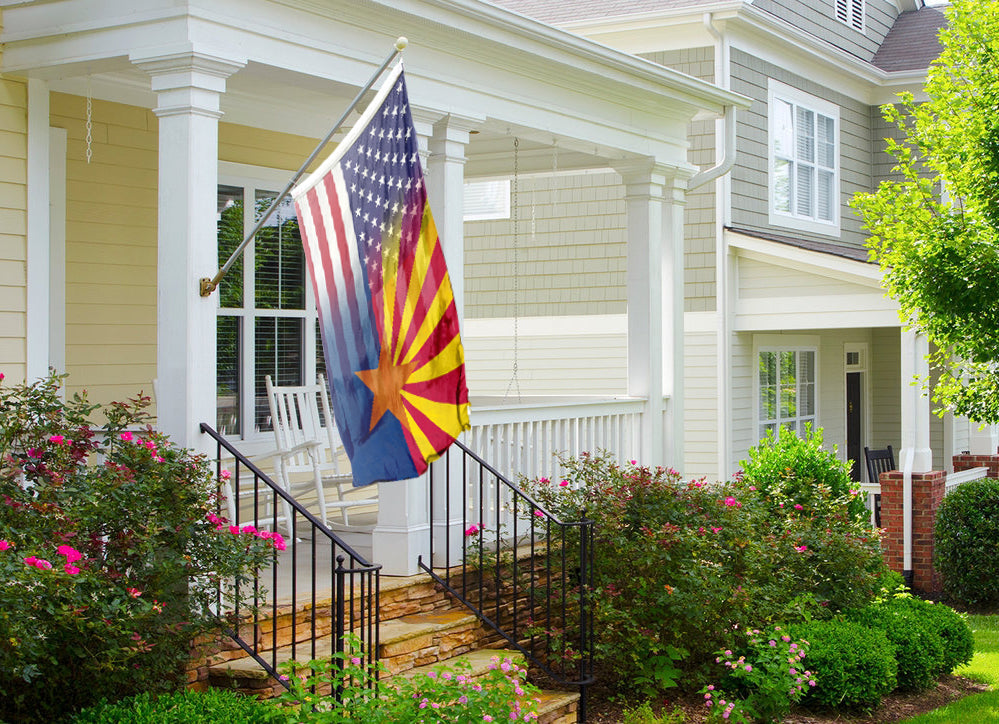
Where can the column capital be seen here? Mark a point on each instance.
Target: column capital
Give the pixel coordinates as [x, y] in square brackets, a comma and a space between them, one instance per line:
[186, 80]
[641, 175]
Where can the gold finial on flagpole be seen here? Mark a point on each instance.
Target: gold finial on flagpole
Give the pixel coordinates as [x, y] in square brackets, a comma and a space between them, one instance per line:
[401, 42]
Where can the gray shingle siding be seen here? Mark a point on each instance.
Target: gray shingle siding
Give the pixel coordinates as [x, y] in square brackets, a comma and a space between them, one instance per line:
[699, 214]
[750, 182]
[818, 18]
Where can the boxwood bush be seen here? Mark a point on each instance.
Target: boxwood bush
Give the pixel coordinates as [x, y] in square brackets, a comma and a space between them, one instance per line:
[919, 648]
[966, 541]
[854, 665]
[955, 634]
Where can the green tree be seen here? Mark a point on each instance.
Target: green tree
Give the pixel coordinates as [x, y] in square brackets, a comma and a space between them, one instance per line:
[935, 229]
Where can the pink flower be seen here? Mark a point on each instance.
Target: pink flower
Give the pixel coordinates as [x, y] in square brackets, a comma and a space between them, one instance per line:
[563, 484]
[799, 506]
[801, 548]
[42, 564]
[71, 569]
[4, 545]
[72, 555]
[715, 530]
[248, 529]
[158, 459]
[134, 592]
[126, 436]
[56, 439]
[472, 529]
[234, 529]
[730, 501]
[34, 452]
[632, 462]
[539, 513]
[30, 561]
[279, 542]
[1, 376]
[486, 717]
[226, 474]
[355, 660]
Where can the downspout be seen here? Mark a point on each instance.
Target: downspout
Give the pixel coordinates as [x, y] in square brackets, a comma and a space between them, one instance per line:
[724, 129]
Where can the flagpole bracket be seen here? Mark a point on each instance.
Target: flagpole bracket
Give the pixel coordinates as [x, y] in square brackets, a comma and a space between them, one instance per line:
[207, 286]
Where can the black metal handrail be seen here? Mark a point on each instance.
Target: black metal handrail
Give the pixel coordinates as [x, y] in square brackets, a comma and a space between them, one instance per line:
[353, 588]
[523, 572]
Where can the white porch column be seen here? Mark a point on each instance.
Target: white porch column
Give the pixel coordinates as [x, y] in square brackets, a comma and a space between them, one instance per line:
[654, 195]
[915, 455]
[38, 317]
[446, 189]
[188, 86]
[984, 439]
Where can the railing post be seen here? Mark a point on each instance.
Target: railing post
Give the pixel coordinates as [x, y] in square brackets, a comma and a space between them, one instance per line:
[448, 512]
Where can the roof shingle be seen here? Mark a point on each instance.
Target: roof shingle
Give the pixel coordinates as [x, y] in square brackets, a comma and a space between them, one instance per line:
[912, 42]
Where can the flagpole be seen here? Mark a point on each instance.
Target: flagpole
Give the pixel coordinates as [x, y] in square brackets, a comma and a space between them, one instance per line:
[210, 285]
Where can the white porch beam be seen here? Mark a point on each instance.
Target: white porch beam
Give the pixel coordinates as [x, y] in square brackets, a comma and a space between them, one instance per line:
[188, 87]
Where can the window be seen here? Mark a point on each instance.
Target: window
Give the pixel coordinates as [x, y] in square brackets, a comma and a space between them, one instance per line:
[851, 12]
[804, 174]
[266, 315]
[786, 390]
[486, 200]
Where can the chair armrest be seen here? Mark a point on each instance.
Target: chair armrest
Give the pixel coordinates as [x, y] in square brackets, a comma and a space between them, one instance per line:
[307, 446]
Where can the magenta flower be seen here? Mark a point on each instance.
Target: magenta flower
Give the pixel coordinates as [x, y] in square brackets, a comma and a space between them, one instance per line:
[730, 501]
[72, 555]
[715, 530]
[39, 563]
[30, 560]
[34, 452]
[134, 592]
[57, 439]
[801, 548]
[563, 484]
[799, 506]
[234, 529]
[248, 529]
[71, 569]
[4, 545]
[355, 660]
[279, 542]
[226, 475]
[472, 529]
[539, 513]
[126, 436]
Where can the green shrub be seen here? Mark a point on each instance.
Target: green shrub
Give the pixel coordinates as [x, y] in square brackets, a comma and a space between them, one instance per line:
[112, 551]
[952, 628]
[919, 648]
[683, 569]
[966, 541]
[214, 706]
[794, 470]
[854, 665]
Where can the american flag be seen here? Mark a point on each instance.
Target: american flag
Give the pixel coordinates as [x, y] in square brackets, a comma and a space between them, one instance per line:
[394, 358]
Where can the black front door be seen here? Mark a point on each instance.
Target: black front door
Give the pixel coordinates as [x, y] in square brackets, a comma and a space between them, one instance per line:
[853, 433]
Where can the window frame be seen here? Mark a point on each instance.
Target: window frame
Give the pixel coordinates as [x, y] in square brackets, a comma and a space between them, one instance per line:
[253, 179]
[781, 92]
[778, 344]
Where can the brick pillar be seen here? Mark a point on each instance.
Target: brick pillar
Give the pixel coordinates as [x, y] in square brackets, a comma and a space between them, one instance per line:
[966, 462]
[927, 491]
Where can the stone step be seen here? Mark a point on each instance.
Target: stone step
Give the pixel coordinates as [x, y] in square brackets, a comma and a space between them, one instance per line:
[558, 707]
[404, 643]
[480, 662]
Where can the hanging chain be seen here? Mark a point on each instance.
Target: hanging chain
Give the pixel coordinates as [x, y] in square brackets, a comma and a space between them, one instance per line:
[514, 379]
[90, 122]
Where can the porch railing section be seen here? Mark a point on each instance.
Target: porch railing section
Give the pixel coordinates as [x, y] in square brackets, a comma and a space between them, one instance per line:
[520, 569]
[317, 578]
[523, 439]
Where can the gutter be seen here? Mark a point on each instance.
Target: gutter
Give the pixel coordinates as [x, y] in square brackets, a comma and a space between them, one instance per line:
[724, 165]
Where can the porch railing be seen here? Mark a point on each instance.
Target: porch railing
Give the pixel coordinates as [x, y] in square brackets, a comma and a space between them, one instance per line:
[523, 439]
[318, 576]
[521, 570]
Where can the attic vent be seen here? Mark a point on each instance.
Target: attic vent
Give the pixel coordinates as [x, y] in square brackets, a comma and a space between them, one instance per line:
[851, 12]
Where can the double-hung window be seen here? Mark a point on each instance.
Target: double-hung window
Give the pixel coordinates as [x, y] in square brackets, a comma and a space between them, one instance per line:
[266, 323]
[804, 160]
[787, 390]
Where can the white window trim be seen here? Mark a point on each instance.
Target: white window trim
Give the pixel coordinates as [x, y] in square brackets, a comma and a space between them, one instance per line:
[775, 90]
[778, 343]
[251, 179]
[497, 211]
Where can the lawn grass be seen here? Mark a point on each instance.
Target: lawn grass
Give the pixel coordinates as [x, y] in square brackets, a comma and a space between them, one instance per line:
[984, 667]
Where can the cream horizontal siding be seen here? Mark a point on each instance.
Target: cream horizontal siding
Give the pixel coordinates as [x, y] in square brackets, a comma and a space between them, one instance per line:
[256, 147]
[567, 358]
[886, 389]
[758, 280]
[13, 228]
[110, 247]
[743, 366]
[700, 413]
[571, 250]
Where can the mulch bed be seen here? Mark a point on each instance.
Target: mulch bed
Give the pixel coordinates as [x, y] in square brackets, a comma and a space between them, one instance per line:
[895, 707]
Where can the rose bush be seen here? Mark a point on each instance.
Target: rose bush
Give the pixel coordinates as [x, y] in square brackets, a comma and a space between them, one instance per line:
[685, 568]
[112, 553]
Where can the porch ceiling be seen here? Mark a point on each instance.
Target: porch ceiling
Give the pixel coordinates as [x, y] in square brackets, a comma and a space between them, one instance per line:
[304, 61]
